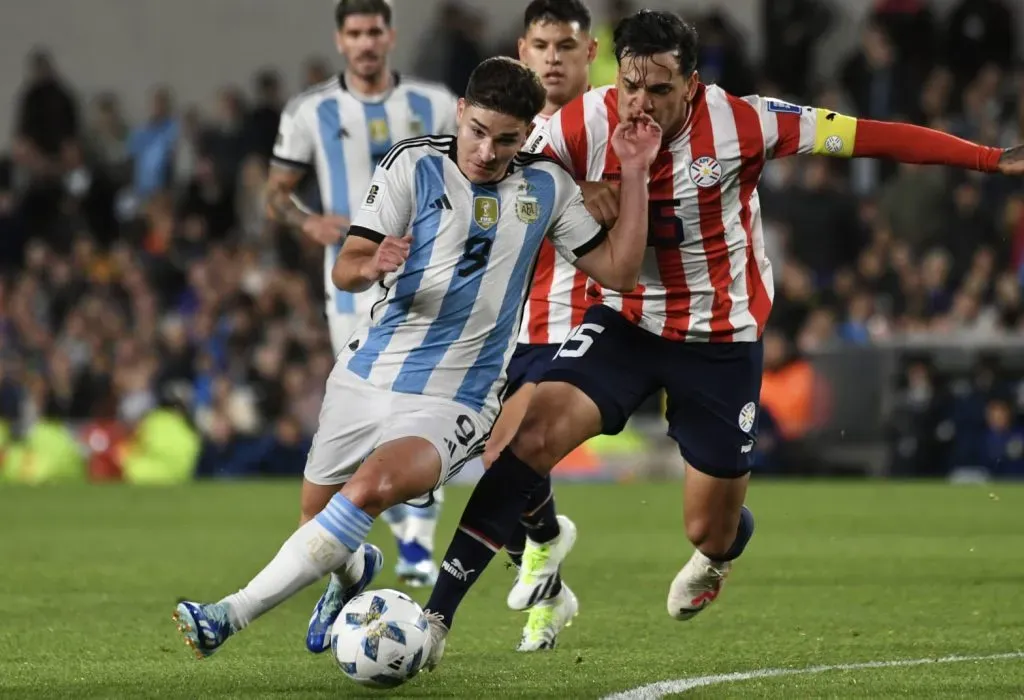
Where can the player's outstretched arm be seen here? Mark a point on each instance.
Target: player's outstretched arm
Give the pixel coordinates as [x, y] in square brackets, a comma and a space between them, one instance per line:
[791, 130]
[363, 261]
[615, 263]
[282, 208]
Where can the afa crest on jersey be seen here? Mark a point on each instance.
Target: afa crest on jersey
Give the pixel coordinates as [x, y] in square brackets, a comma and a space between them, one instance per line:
[416, 127]
[527, 209]
[485, 211]
[705, 171]
[379, 132]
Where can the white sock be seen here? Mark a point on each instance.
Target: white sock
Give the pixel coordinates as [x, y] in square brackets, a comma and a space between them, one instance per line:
[322, 545]
[421, 525]
[397, 518]
[350, 572]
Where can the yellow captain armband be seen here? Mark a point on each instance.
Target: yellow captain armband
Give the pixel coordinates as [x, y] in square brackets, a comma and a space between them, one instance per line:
[834, 134]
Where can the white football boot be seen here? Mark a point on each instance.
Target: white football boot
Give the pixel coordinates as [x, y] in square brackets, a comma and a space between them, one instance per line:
[438, 639]
[696, 586]
[547, 619]
[540, 567]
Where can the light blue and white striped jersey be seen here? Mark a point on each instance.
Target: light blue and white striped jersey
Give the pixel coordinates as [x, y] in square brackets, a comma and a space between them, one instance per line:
[445, 324]
[342, 135]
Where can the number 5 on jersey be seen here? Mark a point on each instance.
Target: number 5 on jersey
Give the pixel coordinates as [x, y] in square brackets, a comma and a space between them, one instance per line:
[579, 341]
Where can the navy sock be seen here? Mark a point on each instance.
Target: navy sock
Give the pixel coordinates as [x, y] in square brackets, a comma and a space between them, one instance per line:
[541, 520]
[743, 534]
[494, 508]
[516, 544]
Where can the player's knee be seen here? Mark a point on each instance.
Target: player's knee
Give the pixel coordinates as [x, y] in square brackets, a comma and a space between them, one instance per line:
[373, 495]
[536, 442]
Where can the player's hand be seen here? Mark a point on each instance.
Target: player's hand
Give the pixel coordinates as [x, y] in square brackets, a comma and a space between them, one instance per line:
[391, 254]
[636, 142]
[602, 201]
[1012, 161]
[325, 230]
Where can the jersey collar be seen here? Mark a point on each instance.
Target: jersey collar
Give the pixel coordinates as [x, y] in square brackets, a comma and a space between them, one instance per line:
[396, 78]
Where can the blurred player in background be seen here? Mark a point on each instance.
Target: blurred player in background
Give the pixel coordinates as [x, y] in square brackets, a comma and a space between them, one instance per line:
[556, 44]
[693, 325]
[340, 130]
[447, 235]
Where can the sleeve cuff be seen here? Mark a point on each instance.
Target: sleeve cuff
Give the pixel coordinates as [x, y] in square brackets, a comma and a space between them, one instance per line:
[597, 240]
[368, 234]
[290, 164]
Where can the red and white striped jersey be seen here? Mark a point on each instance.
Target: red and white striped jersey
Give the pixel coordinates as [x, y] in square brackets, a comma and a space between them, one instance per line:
[705, 276]
[558, 293]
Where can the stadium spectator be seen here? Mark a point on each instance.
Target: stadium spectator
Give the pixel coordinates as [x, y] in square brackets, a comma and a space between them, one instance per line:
[136, 262]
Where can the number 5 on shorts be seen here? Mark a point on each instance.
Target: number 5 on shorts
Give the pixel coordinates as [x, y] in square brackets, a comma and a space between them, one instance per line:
[578, 342]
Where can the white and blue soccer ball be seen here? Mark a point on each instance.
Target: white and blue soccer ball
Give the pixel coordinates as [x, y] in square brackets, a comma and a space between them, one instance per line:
[381, 638]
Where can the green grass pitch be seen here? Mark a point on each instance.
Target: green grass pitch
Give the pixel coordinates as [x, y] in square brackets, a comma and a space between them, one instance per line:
[837, 573]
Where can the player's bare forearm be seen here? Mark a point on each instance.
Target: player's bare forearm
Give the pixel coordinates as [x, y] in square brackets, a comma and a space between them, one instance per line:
[512, 412]
[617, 261]
[352, 270]
[280, 205]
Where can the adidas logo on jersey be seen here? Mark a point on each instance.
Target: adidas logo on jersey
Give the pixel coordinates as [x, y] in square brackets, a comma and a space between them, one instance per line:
[441, 203]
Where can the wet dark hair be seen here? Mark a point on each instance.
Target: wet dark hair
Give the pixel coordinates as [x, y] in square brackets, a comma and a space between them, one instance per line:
[347, 8]
[650, 32]
[505, 85]
[566, 11]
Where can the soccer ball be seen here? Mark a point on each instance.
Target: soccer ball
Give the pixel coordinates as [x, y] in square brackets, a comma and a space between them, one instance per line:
[381, 639]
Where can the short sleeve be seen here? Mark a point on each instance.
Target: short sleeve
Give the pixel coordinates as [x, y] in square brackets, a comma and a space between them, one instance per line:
[448, 123]
[294, 146]
[575, 232]
[550, 140]
[386, 208]
[791, 129]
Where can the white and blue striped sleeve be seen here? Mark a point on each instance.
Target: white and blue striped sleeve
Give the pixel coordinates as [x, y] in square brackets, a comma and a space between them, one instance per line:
[386, 208]
[447, 122]
[295, 145]
[574, 232]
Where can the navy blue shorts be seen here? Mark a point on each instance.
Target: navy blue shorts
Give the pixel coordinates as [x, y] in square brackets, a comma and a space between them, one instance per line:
[713, 389]
[528, 365]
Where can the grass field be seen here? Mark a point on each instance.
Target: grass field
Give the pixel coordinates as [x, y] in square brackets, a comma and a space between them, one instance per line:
[837, 573]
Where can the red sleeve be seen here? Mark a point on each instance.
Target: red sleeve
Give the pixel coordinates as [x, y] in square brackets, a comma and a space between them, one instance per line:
[908, 143]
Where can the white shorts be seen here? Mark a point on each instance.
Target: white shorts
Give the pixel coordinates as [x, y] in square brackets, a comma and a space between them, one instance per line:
[357, 417]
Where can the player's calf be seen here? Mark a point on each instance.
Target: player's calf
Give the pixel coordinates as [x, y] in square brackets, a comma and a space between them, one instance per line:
[567, 419]
[699, 583]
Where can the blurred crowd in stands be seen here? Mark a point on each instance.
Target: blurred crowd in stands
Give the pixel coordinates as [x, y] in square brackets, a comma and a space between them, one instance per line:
[155, 326]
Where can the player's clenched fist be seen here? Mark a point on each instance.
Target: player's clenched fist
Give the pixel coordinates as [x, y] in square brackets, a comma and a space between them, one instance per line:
[636, 142]
[391, 254]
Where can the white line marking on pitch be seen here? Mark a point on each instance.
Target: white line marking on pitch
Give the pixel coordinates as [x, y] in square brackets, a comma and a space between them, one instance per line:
[663, 688]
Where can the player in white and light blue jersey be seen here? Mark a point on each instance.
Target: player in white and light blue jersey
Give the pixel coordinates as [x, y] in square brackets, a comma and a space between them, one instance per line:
[447, 236]
[339, 131]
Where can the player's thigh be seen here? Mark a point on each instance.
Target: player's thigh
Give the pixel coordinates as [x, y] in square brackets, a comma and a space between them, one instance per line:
[398, 470]
[528, 364]
[713, 401]
[456, 432]
[598, 378]
[351, 419]
[423, 442]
